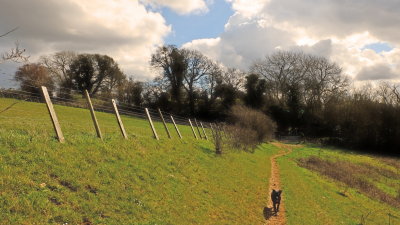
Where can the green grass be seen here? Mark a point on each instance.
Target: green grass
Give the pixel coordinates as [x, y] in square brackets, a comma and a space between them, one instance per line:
[311, 198]
[116, 181]
[171, 181]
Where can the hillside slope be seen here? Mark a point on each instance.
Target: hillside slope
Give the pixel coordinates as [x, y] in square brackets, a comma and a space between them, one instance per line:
[116, 181]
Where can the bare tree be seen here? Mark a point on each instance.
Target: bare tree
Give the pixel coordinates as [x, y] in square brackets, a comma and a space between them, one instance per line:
[388, 93]
[200, 70]
[315, 78]
[282, 71]
[15, 54]
[131, 92]
[323, 81]
[234, 78]
[58, 65]
[32, 76]
[210, 82]
[396, 93]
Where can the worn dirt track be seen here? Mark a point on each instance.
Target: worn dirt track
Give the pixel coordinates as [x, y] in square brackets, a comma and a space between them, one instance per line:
[274, 183]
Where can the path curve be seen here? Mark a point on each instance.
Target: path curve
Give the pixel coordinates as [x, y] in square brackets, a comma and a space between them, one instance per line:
[274, 183]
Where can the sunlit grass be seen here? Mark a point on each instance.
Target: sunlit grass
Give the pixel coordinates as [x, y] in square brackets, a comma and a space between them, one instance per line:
[117, 181]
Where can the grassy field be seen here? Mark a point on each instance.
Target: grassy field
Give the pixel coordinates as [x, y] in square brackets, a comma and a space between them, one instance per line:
[116, 181]
[173, 181]
[330, 186]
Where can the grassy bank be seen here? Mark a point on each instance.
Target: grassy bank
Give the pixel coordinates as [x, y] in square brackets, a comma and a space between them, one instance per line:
[329, 186]
[116, 181]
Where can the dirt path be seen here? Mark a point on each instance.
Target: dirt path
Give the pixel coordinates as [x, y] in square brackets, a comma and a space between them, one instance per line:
[274, 183]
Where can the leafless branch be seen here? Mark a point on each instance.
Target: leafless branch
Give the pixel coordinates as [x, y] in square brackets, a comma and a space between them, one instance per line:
[15, 54]
[2, 35]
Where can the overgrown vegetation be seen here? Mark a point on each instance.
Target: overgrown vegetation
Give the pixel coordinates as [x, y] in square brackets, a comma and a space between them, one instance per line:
[249, 127]
[394, 162]
[354, 175]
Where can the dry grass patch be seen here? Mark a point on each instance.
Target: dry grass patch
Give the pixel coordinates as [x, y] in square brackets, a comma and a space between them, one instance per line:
[376, 172]
[353, 175]
[391, 162]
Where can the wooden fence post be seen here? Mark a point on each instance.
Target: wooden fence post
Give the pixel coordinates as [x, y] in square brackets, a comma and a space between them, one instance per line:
[224, 132]
[53, 115]
[204, 131]
[198, 130]
[212, 129]
[191, 125]
[121, 125]
[151, 124]
[165, 125]
[96, 124]
[176, 127]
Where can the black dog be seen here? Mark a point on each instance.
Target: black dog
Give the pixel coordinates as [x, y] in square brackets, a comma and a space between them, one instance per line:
[276, 200]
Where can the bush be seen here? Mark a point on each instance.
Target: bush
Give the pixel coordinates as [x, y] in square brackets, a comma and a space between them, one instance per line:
[249, 127]
[217, 135]
[241, 137]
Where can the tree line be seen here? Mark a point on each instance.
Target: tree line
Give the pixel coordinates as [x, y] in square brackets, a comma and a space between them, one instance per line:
[304, 94]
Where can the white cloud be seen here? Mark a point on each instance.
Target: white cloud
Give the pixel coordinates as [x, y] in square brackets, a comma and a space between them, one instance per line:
[248, 8]
[350, 53]
[207, 46]
[340, 17]
[338, 30]
[377, 72]
[243, 41]
[122, 29]
[320, 48]
[128, 32]
[180, 6]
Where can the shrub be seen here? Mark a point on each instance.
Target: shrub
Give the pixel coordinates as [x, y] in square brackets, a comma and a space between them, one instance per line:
[249, 127]
[217, 135]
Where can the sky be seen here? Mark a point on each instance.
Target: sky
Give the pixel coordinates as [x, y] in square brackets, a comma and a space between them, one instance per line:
[186, 28]
[362, 36]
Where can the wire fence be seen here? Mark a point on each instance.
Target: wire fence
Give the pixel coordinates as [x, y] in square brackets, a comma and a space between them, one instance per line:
[105, 105]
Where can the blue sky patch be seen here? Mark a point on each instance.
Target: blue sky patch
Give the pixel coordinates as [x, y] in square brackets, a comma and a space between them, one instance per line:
[378, 47]
[186, 28]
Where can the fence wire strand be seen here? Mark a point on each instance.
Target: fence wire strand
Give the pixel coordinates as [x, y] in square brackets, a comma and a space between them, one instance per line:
[100, 104]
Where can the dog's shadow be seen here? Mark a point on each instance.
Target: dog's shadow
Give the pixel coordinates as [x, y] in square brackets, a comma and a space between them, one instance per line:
[268, 213]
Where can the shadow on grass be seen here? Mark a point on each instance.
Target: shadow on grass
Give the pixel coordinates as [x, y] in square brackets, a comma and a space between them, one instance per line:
[207, 150]
[268, 213]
